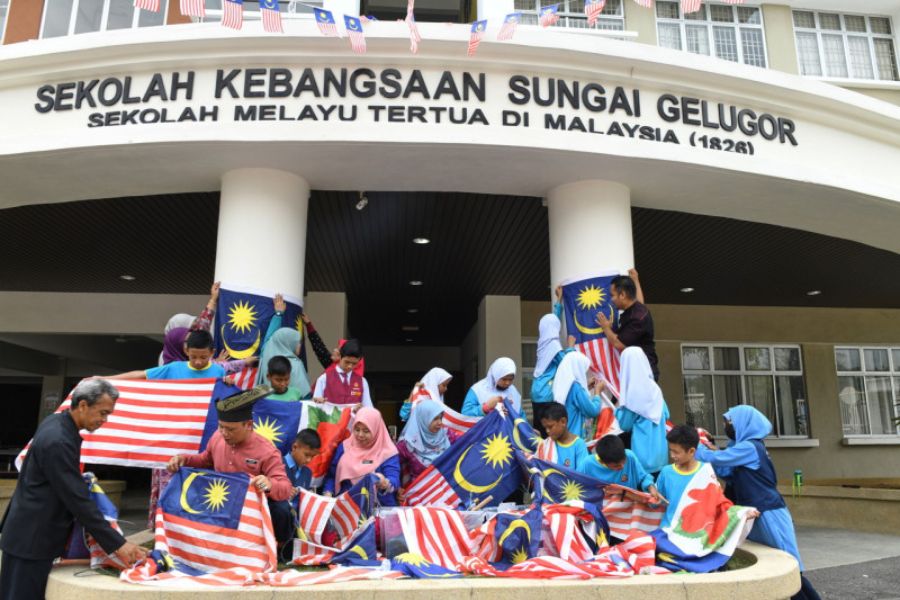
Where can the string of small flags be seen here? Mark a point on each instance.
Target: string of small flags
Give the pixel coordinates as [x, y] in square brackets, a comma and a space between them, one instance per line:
[270, 12]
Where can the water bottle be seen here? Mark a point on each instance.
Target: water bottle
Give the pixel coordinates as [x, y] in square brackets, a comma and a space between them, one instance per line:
[797, 486]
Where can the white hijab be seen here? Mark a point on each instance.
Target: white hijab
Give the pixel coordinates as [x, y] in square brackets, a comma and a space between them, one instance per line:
[572, 369]
[432, 380]
[487, 387]
[639, 393]
[548, 342]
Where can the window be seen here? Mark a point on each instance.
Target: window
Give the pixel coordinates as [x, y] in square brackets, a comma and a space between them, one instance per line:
[845, 46]
[732, 33]
[770, 378]
[868, 390]
[571, 14]
[68, 17]
[289, 9]
[4, 10]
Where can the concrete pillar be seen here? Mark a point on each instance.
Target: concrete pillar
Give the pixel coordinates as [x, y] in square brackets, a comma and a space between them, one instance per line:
[590, 229]
[328, 311]
[262, 230]
[499, 332]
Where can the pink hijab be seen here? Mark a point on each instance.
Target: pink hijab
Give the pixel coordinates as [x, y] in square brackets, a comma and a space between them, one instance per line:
[358, 460]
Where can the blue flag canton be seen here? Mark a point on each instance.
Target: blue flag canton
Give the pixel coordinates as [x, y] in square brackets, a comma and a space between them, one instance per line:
[479, 26]
[242, 320]
[562, 485]
[364, 495]
[417, 566]
[220, 390]
[513, 18]
[360, 550]
[277, 421]
[583, 301]
[323, 16]
[352, 23]
[206, 497]
[240, 2]
[269, 5]
[518, 536]
[548, 10]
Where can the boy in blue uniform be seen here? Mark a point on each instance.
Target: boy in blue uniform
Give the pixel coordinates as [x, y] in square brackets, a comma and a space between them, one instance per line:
[562, 446]
[674, 478]
[306, 447]
[199, 365]
[614, 464]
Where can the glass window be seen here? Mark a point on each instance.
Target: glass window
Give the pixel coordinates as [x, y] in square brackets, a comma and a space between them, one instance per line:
[844, 46]
[713, 30]
[869, 397]
[4, 9]
[57, 17]
[768, 378]
[571, 13]
[529, 354]
[88, 16]
[67, 17]
[121, 15]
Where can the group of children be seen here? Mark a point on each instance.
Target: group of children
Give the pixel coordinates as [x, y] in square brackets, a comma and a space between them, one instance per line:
[566, 400]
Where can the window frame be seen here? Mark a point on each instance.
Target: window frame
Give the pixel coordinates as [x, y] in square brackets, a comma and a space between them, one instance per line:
[710, 25]
[566, 15]
[743, 372]
[529, 372]
[893, 376]
[845, 34]
[104, 18]
[5, 22]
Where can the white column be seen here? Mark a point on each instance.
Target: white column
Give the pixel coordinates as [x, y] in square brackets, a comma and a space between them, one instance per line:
[590, 229]
[262, 230]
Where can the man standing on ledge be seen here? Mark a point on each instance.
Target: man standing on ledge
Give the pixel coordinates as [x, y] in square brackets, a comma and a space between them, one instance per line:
[51, 494]
[635, 323]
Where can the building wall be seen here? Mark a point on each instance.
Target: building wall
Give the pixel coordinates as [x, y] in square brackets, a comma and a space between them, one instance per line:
[642, 21]
[817, 331]
[23, 21]
[780, 46]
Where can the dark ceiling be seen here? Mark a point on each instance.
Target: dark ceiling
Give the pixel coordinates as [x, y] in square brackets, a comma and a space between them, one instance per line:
[480, 245]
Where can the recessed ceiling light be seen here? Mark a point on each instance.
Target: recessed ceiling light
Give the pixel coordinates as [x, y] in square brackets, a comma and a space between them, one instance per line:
[421, 240]
[412, 311]
[415, 282]
[127, 277]
[687, 290]
[409, 339]
[410, 328]
[121, 340]
[814, 293]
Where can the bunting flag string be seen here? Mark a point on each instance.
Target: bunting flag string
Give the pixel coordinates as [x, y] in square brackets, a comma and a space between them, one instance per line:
[193, 8]
[151, 5]
[271, 16]
[355, 31]
[414, 36]
[508, 29]
[549, 15]
[325, 22]
[475, 35]
[592, 10]
[233, 14]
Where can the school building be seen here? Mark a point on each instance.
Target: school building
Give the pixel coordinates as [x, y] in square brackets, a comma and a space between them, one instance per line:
[744, 157]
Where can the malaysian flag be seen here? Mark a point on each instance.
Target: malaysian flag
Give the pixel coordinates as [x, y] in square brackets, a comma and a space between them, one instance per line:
[549, 15]
[313, 512]
[193, 8]
[355, 31]
[451, 419]
[151, 5]
[583, 300]
[508, 29]
[325, 21]
[475, 35]
[271, 16]
[331, 422]
[414, 36]
[592, 10]
[233, 14]
[574, 533]
[353, 506]
[211, 521]
[629, 511]
[245, 378]
[644, 3]
[438, 534]
[690, 6]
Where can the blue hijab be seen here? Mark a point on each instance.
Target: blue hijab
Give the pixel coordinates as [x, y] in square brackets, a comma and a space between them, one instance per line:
[426, 445]
[749, 425]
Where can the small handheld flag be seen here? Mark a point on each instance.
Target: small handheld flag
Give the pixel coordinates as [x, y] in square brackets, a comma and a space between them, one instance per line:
[476, 33]
[151, 5]
[271, 16]
[690, 6]
[193, 8]
[592, 10]
[325, 21]
[355, 31]
[233, 14]
[508, 29]
[549, 15]
[414, 36]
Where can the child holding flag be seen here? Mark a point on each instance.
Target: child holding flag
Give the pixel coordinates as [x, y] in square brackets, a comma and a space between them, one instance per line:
[561, 446]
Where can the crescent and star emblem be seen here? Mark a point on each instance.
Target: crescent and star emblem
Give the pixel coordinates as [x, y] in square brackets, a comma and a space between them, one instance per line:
[184, 492]
[239, 354]
[467, 485]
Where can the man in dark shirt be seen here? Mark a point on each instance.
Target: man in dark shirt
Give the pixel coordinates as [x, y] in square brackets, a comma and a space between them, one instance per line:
[51, 494]
[635, 323]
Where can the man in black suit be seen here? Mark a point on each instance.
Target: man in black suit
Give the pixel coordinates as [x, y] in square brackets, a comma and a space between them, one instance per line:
[51, 494]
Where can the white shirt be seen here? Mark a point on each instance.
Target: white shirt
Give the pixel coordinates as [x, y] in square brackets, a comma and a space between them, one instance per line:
[319, 390]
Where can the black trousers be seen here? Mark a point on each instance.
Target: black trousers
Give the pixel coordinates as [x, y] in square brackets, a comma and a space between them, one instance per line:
[282, 520]
[23, 579]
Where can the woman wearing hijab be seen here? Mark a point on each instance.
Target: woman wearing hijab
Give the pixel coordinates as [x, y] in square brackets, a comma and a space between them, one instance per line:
[286, 342]
[423, 440]
[571, 389]
[493, 389]
[432, 386]
[368, 450]
[642, 410]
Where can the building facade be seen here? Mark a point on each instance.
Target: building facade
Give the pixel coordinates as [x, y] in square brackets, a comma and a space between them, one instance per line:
[743, 157]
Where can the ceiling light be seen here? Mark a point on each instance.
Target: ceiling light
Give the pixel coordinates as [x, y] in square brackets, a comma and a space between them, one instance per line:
[687, 290]
[814, 293]
[410, 328]
[421, 241]
[415, 282]
[127, 277]
[412, 311]
[409, 339]
[363, 201]
[121, 340]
